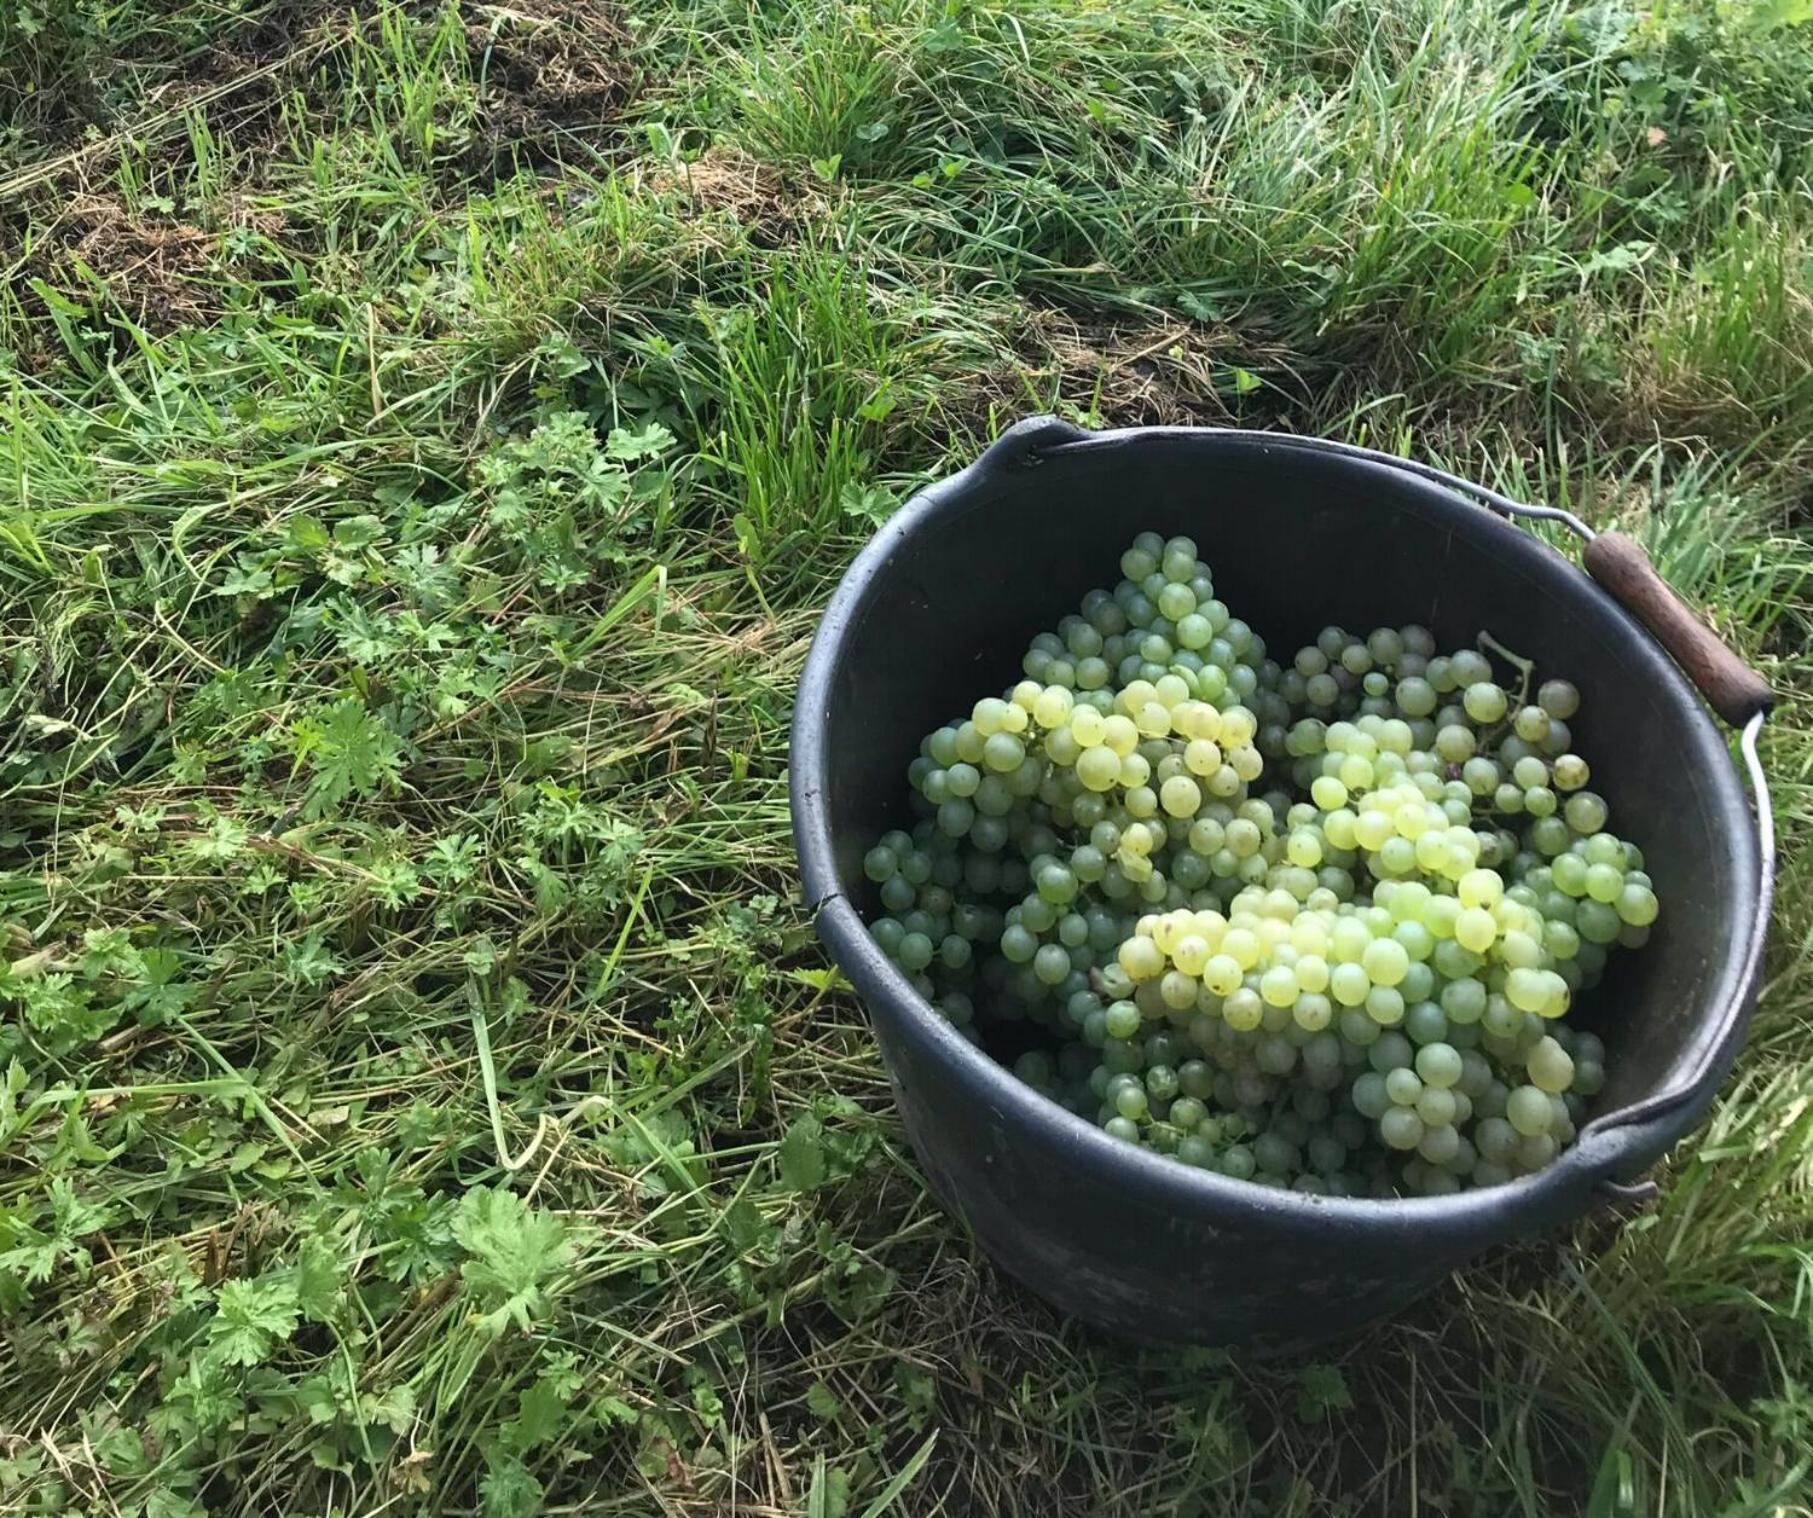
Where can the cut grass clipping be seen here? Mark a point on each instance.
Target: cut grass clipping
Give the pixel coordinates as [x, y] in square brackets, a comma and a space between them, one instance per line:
[428, 434]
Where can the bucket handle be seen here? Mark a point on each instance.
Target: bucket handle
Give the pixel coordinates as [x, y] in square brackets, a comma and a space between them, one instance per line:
[1616, 561]
[1731, 687]
[1621, 568]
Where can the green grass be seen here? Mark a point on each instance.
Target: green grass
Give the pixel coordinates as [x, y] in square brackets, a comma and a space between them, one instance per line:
[427, 435]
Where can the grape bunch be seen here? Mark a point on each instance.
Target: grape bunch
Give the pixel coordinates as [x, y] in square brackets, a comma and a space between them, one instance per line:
[1315, 924]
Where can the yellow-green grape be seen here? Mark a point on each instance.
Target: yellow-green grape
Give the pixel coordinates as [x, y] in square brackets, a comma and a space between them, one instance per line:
[1088, 726]
[1637, 905]
[1052, 707]
[989, 716]
[1372, 827]
[1475, 929]
[1202, 756]
[1178, 990]
[1141, 958]
[1153, 719]
[1551, 1067]
[1120, 735]
[1222, 974]
[1180, 796]
[1348, 984]
[1278, 986]
[1571, 772]
[1484, 702]
[1191, 954]
[1439, 1064]
[1480, 888]
[1604, 882]
[1329, 793]
[1243, 1010]
[1099, 768]
[1529, 1112]
[1246, 762]
[1238, 726]
[1527, 990]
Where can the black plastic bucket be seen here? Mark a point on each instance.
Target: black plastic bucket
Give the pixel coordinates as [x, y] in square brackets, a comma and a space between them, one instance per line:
[1300, 533]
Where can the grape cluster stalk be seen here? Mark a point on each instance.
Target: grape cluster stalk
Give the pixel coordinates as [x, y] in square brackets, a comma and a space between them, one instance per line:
[1315, 924]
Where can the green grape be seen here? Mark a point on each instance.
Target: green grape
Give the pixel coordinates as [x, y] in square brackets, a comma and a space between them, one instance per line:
[1481, 777]
[1636, 904]
[1529, 1112]
[1439, 1143]
[1484, 702]
[1371, 1096]
[1437, 1106]
[1571, 772]
[1558, 698]
[1455, 744]
[1549, 835]
[1439, 1064]
[1403, 1086]
[1603, 849]
[1385, 961]
[1535, 1151]
[1585, 812]
[1469, 667]
[1196, 1151]
[915, 952]
[1569, 873]
[1140, 560]
[1123, 1020]
[962, 780]
[1551, 1067]
[1531, 724]
[1463, 1000]
[1175, 601]
[1018, 945]
[1401, 1128]
[1604, 882]
[1529, 773]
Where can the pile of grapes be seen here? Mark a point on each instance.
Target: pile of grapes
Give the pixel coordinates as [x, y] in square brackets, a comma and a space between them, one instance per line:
[1314, 924]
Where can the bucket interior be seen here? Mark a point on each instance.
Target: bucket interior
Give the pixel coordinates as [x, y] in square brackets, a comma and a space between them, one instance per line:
[1296, 541]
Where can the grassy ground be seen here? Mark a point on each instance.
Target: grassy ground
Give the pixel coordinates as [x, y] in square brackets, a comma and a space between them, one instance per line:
[426, 435]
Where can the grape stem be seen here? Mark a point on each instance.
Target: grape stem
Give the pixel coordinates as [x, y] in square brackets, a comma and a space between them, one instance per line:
[1524, 667]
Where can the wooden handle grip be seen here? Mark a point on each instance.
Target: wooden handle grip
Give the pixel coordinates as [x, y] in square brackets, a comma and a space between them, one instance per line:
[1731, 687]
